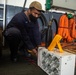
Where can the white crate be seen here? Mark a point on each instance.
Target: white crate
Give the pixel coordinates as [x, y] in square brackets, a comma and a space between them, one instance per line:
[56, 63]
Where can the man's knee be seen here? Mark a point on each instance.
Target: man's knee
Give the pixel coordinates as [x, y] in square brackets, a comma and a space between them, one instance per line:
[12, 32]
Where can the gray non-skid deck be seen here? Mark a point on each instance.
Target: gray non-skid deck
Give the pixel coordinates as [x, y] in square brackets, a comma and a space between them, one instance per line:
[22, 67]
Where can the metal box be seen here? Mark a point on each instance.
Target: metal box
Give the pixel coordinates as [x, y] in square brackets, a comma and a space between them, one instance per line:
[56, 63]
[68, 4]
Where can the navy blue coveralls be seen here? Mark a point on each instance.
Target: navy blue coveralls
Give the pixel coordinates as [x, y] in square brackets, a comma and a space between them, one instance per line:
[20, 29]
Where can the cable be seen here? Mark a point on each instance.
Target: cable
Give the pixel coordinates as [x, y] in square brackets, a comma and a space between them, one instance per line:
[24, 6]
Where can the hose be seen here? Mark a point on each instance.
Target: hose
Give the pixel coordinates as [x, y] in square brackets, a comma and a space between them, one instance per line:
[56, 25]
[48, 38]
[49, 33]
[44, 21]
[46, 33]
[44, 25]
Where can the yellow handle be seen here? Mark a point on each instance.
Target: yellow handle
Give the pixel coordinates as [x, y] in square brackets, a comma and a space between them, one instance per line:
[60, 48]
[55, 42]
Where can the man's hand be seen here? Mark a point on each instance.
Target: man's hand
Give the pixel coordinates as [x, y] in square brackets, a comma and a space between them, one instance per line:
[35, 51]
